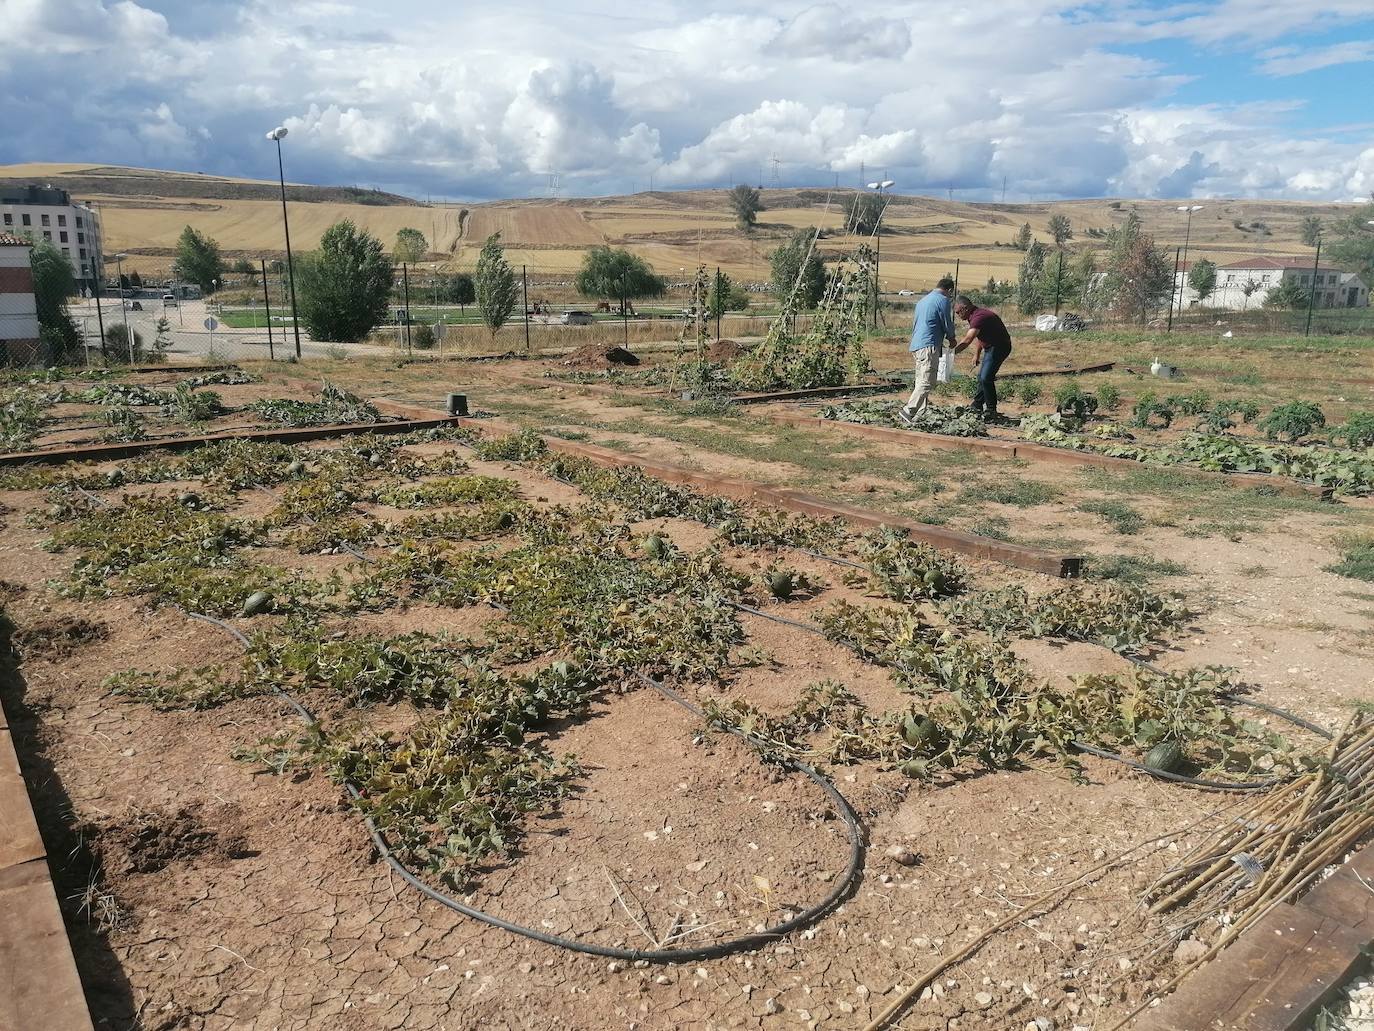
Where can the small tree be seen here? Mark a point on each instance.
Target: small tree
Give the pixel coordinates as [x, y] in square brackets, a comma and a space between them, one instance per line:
[494, 284]
[1351, 244]
[53, 283]
[135, 280]
[1061, 229]
[410, 246]
[1311, 230]
[725, 295]
[1030, 285]
[1139, 279]
[746, 204]
[345, 286]
[617, 275]
[458, 289]
[862, 213]
[1202, 277]
[198, 260]
[1247, 288]
[162, 341]
[1023, 238]
[115, 350]
[796, 264]
[1288, 295]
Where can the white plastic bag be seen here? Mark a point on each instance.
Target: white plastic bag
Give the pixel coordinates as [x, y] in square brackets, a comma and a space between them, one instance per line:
[946, 370]
[1047, 323]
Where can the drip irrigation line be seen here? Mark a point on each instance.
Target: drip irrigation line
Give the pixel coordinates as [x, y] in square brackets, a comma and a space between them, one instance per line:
[716, 950]
[1179, 778]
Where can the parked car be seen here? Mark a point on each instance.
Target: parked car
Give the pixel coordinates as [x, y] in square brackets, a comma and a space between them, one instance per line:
[170, 301]
[906, 293]
[577, 318]
[133, 306]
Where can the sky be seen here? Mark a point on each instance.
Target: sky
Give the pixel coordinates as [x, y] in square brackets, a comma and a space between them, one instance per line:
[476, 101]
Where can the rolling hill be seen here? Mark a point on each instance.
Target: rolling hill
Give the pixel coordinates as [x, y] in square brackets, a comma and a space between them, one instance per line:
[144, 210]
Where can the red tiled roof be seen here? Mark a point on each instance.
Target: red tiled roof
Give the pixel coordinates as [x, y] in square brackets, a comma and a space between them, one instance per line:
[9, 240]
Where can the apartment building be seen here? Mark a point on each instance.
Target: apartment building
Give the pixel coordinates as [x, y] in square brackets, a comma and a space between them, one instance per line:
[18, 312]
[49, 213]
[1259, 275]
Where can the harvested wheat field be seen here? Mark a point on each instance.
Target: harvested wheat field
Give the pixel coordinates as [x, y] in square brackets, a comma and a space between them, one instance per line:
[481, 725]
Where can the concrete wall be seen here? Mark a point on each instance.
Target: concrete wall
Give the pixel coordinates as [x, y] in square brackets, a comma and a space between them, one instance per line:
[18, 312]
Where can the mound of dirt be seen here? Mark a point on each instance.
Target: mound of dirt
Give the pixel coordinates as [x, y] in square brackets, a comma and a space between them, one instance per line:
[56, 637]
[599, 356]
[724, 352]
[147, 840]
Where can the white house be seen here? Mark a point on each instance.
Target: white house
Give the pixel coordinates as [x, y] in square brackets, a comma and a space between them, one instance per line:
[18, 312]
[1333, 288]
[49, 213]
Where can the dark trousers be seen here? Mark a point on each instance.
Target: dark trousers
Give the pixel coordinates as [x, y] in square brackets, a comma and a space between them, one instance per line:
[986, 398]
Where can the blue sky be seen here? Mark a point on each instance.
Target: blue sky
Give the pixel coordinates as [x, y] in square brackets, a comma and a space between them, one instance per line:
[476, 101]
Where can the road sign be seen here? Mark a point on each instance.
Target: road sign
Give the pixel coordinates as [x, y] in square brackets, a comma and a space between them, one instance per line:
[212, 324]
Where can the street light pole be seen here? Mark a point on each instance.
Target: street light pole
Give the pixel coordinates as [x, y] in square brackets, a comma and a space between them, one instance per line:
[276, 135]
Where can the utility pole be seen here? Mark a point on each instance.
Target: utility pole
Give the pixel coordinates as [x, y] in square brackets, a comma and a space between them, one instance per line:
[99, 318]
[624, 315]
[1058, 280]
[1178, 251]
[405, 280]
[1004, 189]
[720, 303]
[267, 304]
[1312, 293]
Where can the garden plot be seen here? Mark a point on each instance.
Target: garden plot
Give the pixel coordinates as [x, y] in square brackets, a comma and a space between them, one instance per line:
[479, 680]
[59, 409]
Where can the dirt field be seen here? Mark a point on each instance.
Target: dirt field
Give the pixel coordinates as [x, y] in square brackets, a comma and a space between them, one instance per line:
[204, 891]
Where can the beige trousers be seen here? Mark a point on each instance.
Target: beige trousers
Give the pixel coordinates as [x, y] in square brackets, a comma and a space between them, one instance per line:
[927, 368]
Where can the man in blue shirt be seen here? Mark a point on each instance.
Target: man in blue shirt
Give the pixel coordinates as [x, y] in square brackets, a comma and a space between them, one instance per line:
[932, 326]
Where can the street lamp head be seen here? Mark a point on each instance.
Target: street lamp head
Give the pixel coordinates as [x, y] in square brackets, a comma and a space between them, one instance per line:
[278, 133]
[1190, 208]
[886, 183]
[874, 186]
[120, 257]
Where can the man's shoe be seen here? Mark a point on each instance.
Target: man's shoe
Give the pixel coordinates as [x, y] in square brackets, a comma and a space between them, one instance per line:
[905, 417]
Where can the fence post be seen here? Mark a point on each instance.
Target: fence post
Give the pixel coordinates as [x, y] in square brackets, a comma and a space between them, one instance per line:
[405, 280]
[525, 293]
[1312, 293]
[267, 303]
[1173, 287]
[1058, 281]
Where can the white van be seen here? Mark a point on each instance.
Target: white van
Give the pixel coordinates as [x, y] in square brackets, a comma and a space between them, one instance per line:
[170, 301]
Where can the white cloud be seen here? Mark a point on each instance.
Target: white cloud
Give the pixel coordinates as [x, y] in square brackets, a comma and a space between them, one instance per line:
[483, 101]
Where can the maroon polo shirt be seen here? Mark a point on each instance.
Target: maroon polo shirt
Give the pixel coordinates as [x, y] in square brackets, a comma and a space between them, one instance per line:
[992, 331]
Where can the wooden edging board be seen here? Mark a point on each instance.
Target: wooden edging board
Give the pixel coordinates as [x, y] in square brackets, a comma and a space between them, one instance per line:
[1007, 449]
[39, 984]
[109, 452]
[1277, 975]
[1034, 559]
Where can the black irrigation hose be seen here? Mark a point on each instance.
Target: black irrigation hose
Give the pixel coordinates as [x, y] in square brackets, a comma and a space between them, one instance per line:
[684, 955]
[1195, 782]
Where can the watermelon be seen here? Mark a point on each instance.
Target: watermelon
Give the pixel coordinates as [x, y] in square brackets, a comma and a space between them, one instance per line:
[781, 584]
[919, 731]
[1166, 757]
[654, 546]
[258, 601]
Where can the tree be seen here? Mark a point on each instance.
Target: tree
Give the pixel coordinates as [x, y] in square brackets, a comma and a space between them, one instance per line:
[862, 212]
[1030, 280]
[494, 284]
[725, 295]
[1351, 243]
[135, 280]
[1288, 295]
[1139, 279]
[276, 266]
[1247, 288]
[746, 204]
[53, 283]
[1202, 277]
[410, 246]
[797, 265]
[1311, 230]
[115, 349]
[344, 287]
[1061, 229]
[617, 275]
[458, 289]
[198, 260]
[162, 341]
[1023, 238]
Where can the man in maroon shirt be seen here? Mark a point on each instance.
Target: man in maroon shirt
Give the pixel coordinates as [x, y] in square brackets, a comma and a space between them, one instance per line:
[988, 330]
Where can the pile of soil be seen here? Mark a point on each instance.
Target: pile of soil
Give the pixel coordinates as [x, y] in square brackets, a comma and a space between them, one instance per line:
[599, 356]
[57, 637]
[145, 841]
[724, 352]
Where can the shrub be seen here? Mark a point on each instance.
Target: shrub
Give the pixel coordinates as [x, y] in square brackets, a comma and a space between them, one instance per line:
[1108, 396]
[1030, 392]
[1357, 431]
[116, 346]
[1194, 403]
[1148, 406]
[422, 336]
[1293, 420]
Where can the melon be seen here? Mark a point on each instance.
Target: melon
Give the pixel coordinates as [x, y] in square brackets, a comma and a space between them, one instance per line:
[258, 601]
[1166, 757]
[781, 584]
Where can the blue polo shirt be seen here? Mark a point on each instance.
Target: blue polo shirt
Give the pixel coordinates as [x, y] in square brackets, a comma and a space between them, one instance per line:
[934, 321]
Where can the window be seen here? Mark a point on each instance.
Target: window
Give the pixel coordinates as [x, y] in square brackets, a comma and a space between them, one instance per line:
[80, 237]
[62, 235]
[67, 251]
[28, 219]
[61, 220]
[46, 220]
[83, 252]
[47, 234]
[78, 221]
[9, 219]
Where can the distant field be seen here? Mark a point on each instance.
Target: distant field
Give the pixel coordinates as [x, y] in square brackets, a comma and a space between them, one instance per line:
[144, 211]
